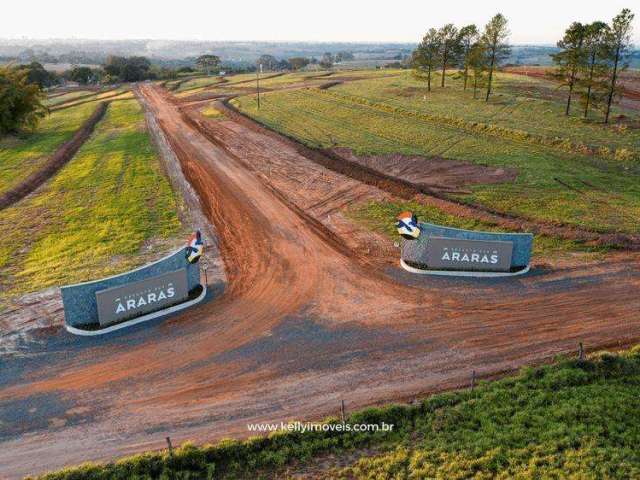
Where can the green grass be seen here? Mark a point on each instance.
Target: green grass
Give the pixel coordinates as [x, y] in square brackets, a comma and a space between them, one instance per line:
[380, 217]
[101, 214]
[574, 419]
[533, 105]
[605, 196]
[198, 83]
[50, 102]
[22, 155]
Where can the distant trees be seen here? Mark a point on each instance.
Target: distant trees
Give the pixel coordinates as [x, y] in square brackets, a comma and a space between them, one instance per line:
[591, 58]
[127, 69]
[326, 61]
[208, 63]
[344, 56]
[466, 49]
[268, 62]
[20, 100]
[298, 62]
[494, 41]
[82, 75]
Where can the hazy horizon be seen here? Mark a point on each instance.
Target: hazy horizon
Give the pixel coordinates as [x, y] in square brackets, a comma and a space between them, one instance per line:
[286, 21]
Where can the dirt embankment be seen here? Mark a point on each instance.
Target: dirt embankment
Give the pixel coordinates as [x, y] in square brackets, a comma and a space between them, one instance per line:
[56, 161]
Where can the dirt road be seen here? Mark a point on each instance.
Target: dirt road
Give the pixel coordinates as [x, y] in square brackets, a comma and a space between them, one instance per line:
[306, 320]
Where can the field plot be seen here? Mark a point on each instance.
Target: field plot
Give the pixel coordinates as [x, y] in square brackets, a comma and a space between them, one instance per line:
[196, 83]
[22, 155]
[102, 213]
[552, 185]
[67, 97]
[533, 105]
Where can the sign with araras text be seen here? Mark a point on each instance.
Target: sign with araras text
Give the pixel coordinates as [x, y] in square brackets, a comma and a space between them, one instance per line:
[475, 255]
[138, 298]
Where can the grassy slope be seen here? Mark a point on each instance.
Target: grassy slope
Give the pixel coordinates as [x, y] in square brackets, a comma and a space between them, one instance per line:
[575, 419]
[96, 215]
[608, 201]
[20, 156]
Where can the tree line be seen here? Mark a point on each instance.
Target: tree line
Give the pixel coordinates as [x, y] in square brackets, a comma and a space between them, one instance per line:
[590, 61]
[475, 53]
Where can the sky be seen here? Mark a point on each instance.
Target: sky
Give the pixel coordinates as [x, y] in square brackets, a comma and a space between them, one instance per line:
[531, 22]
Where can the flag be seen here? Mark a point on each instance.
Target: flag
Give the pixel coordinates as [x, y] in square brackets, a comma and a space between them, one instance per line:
[195, 247]
[408, 226]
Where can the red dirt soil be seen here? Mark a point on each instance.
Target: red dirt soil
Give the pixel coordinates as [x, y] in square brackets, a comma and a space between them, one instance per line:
[306, 319]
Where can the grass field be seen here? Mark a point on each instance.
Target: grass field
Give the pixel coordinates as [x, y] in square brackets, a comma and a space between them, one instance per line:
[197, 83]
[574, 419]
[67, 97]
[553, 184]
[101, 214]
[22, 155]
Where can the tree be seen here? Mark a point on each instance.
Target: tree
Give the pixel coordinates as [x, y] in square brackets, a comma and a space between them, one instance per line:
[344, 56]
[326, 61]
[20, 100]
[570, 58]
[468, 36]
[36, 73]
[494, 40]
[298, 62]
[268, 62]
[114, 65]
[82, 75]
[594, 67]
[618, 48]
[424, 58]
[478, 64]
[208, 62]
[449, 48]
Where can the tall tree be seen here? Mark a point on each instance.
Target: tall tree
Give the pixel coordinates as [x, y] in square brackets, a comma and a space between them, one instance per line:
[594, 67]
[468, 36]
[449, 48]
[618, 45]
[570, 58]
[478, 64]
[425, 57]
[494, 40]
[208, 63]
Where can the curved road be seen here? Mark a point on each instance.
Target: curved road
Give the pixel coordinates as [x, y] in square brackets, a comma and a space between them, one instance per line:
[304, 323]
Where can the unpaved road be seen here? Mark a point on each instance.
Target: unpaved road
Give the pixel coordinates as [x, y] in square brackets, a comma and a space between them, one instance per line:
[305, 321]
